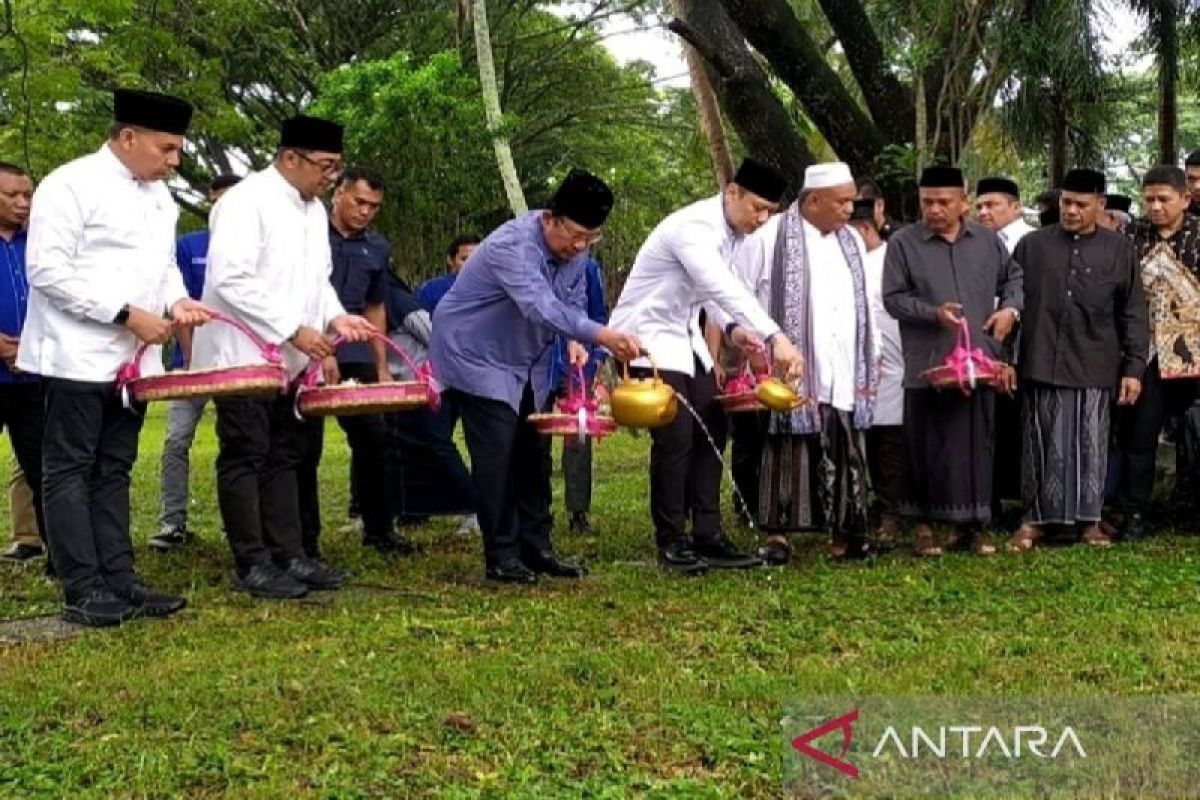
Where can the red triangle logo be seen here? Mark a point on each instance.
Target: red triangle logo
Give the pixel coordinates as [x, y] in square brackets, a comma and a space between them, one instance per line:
[843, 723]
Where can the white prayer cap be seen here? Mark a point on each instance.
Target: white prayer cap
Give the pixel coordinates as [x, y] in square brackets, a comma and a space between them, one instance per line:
[823, 176]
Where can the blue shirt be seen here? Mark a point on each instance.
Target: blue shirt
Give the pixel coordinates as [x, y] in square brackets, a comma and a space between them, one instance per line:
[433, 290]
[191, 256]
[14, 297]
[493, 331]
[361, 264]
[597, 311]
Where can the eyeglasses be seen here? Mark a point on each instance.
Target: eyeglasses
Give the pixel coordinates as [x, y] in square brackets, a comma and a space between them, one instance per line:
[579, 236]
[328, 167]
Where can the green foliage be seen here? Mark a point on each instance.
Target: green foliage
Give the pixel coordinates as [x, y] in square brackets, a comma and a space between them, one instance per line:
[395, 71]
[421, 126]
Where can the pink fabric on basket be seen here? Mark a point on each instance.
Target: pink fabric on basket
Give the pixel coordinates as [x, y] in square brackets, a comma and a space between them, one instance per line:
[966, 365]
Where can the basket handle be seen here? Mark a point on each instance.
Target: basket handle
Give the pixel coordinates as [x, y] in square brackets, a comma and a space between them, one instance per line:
[423, 373]
[132, 370]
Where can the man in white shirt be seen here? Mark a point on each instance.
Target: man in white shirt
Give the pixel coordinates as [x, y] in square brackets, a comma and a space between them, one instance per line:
[814, 471]
[887, 454]
[684, 266]
[998, 207]
[101, 266]
[269, 264]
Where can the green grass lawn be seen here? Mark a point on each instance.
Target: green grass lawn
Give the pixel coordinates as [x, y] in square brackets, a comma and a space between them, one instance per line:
[424, 681]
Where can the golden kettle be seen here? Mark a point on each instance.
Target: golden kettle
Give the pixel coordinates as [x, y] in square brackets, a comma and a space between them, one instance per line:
[643, 402]
[776, 395]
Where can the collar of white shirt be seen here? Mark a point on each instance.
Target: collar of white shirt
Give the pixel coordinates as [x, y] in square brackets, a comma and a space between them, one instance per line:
[286, 189]
[109, 160]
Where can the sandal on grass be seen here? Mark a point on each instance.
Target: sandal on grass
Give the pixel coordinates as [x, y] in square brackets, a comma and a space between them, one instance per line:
[1025, 539]
[925, 546]
[1095, 537]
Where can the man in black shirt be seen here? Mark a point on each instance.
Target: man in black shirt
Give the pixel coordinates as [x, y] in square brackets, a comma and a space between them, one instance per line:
[1085, 330]
[361, 264]
[1168, 249]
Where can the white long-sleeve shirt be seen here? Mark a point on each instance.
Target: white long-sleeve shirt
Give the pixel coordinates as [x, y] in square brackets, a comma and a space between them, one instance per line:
[1012, 233]
[98, 239]
[685, 265]
[268, 265]
[831, 303]
[889, 401]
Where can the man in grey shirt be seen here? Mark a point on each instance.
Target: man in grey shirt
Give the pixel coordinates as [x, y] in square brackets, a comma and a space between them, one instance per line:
[937, 273]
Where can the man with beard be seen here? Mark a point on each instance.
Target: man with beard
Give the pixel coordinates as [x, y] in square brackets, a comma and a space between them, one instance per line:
[1085, 330]
[937, 274]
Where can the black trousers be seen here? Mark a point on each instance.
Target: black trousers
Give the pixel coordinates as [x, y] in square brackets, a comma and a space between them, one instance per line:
[427, 473]
[89, 444]
[367, 435]
[887, 460]
[685, 468]
[748, 434]
[262, 444]
[1137, 430]
[510, 464]
[1006, 469]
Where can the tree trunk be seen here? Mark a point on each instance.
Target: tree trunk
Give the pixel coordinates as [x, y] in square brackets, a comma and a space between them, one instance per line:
[1057, 166]
[707, 108]
[491, 107]
[888, 100]
[773, 29]
[744, 89]
[1168, 79]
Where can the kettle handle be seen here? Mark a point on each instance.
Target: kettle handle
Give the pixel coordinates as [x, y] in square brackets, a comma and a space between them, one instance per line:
[653, 366]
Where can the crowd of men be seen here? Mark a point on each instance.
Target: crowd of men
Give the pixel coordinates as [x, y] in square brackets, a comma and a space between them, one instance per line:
[1093, 319]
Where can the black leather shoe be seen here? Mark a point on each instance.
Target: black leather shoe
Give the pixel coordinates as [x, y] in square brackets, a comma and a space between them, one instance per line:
[510, 571]
[315, 575]
[391, 544]
[548, 562]
[270, 583]
[580, 524]
[22, 552]
[720, 553]
[98, 608]
[149, 602]
[679, 557]
[1134, 528]
[775, 554]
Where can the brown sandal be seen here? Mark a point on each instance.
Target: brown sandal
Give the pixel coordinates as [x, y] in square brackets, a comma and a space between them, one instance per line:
[1094, 536]
[925, 546]
[1025, 539]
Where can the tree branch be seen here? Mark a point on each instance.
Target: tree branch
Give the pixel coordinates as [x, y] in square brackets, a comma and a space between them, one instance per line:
[772, 28]
[889, 101]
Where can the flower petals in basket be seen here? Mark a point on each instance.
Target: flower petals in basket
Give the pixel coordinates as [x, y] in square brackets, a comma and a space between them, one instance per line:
[578, 414]
[351, 397]
[965, 367]
[248, 379]
[741, 394]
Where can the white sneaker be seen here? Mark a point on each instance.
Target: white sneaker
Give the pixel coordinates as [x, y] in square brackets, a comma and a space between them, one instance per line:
[469, 526]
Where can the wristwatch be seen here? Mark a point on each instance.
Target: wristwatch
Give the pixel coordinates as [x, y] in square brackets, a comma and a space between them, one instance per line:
[122, 316]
